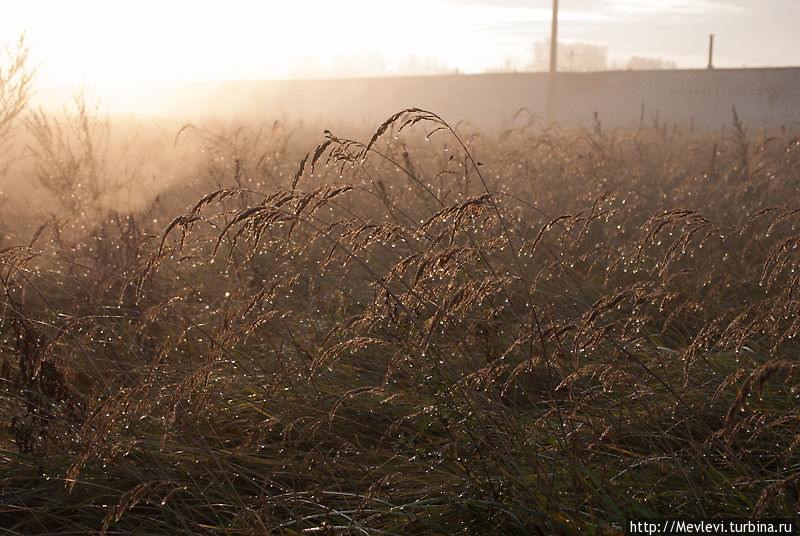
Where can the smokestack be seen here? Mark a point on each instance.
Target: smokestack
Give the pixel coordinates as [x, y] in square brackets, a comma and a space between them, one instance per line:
[710, 51]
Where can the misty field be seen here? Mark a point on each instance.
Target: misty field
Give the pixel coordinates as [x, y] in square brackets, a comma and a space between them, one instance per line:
[430, 329]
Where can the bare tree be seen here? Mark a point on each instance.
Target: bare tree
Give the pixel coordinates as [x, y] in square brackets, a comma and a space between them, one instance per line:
[71, 155]
[16, 82]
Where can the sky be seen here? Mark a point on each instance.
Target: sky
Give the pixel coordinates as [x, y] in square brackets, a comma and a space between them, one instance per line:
[98, 42]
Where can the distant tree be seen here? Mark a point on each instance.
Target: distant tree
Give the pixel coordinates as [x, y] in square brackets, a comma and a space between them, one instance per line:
[574, 57]
[301, 66]
[509, 66]
[414, 65]
[364, 64]
[358, 64]
[640, 63]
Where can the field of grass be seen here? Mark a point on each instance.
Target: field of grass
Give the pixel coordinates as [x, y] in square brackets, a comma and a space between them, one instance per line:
[431, 330]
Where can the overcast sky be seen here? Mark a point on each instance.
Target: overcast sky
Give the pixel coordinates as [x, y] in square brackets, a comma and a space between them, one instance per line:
[107, 41]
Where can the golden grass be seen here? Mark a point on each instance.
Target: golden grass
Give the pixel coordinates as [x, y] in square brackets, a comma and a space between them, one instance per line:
[437, 331]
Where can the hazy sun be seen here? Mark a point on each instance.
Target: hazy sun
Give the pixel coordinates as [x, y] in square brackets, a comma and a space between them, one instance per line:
[121, 42]
[102, 42]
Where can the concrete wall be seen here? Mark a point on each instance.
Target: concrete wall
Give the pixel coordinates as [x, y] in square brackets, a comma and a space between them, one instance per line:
[763, 97]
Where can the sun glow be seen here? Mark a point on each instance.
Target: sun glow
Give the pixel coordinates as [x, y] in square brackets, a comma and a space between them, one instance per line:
[100, 42]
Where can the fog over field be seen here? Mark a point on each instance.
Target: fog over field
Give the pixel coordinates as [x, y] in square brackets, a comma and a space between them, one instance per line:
[371, 268]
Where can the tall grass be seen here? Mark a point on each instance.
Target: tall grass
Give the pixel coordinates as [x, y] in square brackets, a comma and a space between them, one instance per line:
[430, 331]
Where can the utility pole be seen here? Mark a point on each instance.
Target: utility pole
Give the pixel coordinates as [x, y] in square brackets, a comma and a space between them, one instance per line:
[710, 51]
[554, 39]
[551, 88]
